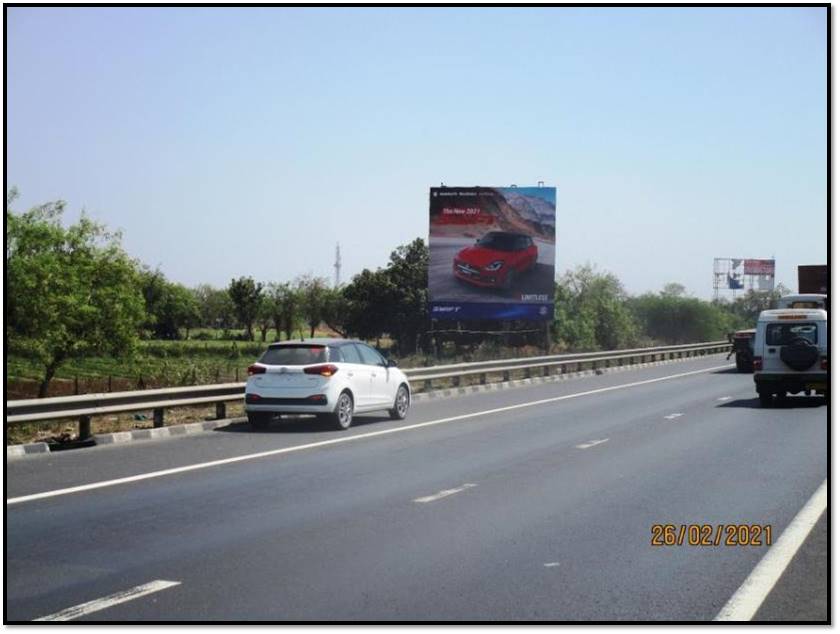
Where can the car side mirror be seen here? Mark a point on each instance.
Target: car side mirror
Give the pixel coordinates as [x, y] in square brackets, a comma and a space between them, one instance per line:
[391, 363]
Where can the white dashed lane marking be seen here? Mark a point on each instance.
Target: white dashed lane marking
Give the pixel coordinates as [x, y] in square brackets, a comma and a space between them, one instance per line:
[112, 599]
[445, 493]
[591, 443]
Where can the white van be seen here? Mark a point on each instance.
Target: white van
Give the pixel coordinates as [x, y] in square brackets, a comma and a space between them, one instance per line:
[791, 353]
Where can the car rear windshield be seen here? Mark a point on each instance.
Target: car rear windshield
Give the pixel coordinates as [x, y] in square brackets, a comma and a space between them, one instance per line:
[294, 355]
[501, 241]
[783, 334]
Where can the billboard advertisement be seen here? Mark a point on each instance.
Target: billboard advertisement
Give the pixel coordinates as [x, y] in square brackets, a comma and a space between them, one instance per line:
[760, 267]
[744, 274]
[491, 252]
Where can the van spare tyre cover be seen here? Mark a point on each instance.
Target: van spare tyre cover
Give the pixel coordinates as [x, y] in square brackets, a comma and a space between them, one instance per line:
[800, 354]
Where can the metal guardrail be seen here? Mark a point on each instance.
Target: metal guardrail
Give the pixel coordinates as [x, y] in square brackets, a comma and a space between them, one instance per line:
[84, 406]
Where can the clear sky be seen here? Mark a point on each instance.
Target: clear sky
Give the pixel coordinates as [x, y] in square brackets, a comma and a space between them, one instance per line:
[228, 142]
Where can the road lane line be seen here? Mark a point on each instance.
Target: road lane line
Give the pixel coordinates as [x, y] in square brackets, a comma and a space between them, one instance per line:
[112, 599]
[552, 564]
[724, 398]
[591, 443]
[445, 493]
[343, 439]
[748, 598]
[673, 416]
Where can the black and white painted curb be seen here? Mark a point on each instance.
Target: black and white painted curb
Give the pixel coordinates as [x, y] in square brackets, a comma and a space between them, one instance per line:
[19, 451]
[163, 432]
[174, 431]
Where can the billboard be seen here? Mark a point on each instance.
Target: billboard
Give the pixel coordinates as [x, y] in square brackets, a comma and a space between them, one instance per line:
[744, 274]
[760, 267]
[491, 252]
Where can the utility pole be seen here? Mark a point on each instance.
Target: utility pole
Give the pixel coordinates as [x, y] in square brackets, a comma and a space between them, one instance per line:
[337, 264]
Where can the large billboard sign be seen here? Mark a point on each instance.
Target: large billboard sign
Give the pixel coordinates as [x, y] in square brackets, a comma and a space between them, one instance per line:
[737, 274]
[491, 252]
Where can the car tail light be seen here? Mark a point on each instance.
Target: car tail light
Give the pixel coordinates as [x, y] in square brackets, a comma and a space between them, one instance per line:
[758, 363]
[824, 363]
[252, 398]
[327, 369]
[256, 369]
[318, 399]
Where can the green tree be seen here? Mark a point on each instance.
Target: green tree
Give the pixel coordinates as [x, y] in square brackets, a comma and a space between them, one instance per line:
[673, 289]
[284, 300]
[265, 316]
[72, 292]
[590, 311]
[246, 296]
[335, 310]
[215, 307]
[169, 306]
[367, 302]
[312, 295]
[407, 310]
[676, 320]
[748, 306]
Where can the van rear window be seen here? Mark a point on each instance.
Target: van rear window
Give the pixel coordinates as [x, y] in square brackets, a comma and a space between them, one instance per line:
[294, 355]
[783, 334]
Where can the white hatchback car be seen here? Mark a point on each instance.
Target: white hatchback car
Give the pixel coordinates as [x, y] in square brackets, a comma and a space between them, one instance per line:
[331, 378]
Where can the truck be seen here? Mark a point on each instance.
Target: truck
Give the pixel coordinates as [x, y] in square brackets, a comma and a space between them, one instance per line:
[813, 278]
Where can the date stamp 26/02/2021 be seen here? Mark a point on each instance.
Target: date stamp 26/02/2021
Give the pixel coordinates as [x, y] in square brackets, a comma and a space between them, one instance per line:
[711, 535]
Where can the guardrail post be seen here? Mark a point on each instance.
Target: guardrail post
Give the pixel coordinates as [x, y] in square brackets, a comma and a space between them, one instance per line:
[456, 381]
[546, 370]
[158, 417]
[527, 373]
[427, 385]
[505, 376]
[221, 411]
[84, 427]
[482, 379]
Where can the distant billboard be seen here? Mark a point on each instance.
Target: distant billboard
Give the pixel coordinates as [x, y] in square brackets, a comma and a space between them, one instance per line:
[760, 267]
[491, 252]
[744, 274]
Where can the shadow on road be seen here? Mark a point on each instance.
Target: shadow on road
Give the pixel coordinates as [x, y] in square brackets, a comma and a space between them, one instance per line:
[303, 425]
[789, 402]
[732, 370]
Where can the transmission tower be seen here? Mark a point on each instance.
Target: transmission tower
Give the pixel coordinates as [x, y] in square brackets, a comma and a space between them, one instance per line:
[337, 264]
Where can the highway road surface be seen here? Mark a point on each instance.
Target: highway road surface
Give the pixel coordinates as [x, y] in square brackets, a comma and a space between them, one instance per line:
[533, 503]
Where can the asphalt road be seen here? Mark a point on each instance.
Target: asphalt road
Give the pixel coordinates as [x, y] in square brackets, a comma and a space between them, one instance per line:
[446, 287]
[538, 510]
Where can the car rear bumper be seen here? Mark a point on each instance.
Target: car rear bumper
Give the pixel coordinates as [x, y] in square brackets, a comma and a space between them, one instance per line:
[290, 409]
[791, 382]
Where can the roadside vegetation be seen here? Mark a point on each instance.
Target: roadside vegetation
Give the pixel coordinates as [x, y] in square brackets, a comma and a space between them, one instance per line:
[83, 316]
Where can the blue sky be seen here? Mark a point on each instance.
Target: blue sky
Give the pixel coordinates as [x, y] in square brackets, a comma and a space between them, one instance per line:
[228, 142]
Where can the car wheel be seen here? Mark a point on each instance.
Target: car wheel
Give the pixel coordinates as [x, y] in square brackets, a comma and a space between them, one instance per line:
[259, 420]
[342, 417]
[401, 404]
[765, 398]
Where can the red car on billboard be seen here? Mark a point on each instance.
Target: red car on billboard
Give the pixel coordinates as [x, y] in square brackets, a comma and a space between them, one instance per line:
[496, 259]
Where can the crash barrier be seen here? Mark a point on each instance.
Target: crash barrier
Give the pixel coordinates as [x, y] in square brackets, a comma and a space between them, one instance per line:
[84, 406]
